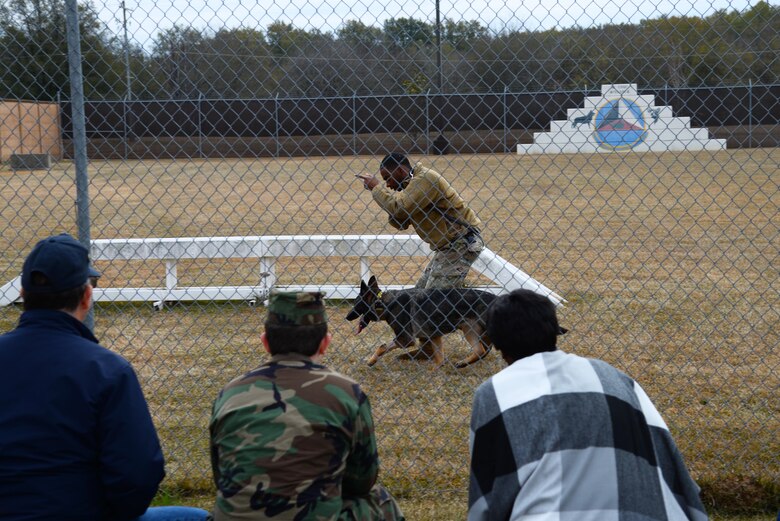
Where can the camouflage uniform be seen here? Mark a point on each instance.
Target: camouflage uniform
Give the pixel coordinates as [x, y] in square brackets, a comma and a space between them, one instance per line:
[441, 218]
[294, 440]
[449, 266]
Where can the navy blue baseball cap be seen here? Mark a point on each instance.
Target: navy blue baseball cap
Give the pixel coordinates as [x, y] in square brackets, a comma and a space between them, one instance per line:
[62, 260]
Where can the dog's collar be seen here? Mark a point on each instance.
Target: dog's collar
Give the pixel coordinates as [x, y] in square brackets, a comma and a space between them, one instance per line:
[378, 305]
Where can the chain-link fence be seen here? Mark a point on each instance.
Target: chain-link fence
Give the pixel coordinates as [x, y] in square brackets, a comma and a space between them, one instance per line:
[624, 155]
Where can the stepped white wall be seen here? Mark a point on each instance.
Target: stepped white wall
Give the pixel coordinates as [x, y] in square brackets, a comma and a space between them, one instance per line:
[662, 131]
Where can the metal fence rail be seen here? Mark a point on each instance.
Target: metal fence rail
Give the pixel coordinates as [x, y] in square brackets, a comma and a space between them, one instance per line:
[188, 119]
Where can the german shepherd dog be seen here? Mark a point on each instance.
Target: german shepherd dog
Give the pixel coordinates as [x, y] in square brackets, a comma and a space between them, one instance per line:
[425, 314]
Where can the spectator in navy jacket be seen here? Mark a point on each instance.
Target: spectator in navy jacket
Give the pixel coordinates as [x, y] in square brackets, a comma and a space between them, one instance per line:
[76, 438]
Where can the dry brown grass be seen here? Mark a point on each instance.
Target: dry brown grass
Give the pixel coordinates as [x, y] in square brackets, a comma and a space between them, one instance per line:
[669, 263]
[438, 507]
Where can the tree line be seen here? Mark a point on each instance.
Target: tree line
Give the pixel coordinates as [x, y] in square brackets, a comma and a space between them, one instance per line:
[725, 48]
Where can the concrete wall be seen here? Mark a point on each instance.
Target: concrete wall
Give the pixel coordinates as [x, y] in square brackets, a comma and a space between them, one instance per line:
[29, 127]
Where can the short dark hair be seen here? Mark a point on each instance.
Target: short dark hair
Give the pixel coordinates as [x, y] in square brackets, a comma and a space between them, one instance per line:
[393, 160]
[67, 300]
[522, 324]
[304, 340]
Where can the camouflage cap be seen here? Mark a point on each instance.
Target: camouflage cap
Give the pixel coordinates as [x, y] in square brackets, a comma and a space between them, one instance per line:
[293, 308]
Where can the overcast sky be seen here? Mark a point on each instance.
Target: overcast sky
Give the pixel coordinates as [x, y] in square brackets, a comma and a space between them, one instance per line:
[145, 18]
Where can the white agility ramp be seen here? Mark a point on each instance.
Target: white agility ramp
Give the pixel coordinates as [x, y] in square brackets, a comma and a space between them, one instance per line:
[9, 292]
[267, 250]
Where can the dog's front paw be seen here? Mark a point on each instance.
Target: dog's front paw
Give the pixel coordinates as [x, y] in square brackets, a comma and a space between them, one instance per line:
[378, 353]
[460, 364]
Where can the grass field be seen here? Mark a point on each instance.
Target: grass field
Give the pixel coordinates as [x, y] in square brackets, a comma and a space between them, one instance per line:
[669, 263]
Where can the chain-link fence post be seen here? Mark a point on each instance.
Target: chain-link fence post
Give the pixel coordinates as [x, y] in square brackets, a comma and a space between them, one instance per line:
[79, 131]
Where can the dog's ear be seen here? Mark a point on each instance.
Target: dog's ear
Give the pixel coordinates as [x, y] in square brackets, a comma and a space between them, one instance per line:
[373, 285]
[562, 330]
[363, 288]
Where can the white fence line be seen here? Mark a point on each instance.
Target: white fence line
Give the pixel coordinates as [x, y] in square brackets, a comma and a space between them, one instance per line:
[267, 249]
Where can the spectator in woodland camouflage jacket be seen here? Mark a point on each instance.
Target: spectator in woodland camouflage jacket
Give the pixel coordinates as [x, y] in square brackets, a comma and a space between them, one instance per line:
[293, 439]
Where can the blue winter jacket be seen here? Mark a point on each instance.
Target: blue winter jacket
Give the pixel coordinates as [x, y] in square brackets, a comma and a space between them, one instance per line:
[76, 438]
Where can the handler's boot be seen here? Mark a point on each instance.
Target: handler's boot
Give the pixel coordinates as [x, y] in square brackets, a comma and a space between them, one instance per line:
[424, 353]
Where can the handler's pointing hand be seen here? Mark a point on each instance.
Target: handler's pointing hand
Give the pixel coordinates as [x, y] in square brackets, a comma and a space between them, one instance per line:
[369, 181]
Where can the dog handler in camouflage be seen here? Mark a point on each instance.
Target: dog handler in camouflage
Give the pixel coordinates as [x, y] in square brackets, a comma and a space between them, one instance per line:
[292, 439]
[422, 198]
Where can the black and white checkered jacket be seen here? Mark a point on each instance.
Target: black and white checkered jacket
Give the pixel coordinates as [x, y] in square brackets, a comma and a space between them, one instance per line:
[559, 437]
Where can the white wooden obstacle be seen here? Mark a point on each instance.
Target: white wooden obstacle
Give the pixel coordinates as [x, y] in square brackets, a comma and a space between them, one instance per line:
[268, 249]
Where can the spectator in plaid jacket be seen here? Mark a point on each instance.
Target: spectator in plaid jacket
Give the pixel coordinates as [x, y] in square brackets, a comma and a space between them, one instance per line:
[555, 436]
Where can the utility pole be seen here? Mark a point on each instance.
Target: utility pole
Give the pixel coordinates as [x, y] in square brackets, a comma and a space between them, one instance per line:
[128, 87]
[440, 144]
[438, 46]
[129, 93]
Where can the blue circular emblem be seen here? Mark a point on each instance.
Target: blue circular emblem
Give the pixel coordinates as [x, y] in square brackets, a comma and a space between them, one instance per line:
[619, 125]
